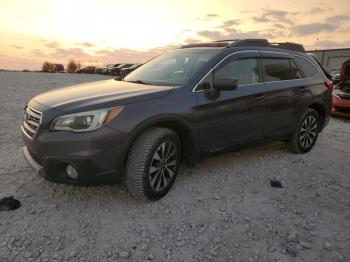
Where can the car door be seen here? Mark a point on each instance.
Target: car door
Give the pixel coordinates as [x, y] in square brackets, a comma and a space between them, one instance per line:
[227, 117]
[286, 92]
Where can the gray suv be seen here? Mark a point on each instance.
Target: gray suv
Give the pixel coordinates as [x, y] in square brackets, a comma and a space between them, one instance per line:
[185, 104]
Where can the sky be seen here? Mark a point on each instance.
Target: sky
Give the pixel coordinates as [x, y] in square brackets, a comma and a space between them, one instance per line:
[97, 32]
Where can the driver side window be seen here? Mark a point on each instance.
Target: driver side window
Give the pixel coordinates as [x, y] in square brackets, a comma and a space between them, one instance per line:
[244, 70]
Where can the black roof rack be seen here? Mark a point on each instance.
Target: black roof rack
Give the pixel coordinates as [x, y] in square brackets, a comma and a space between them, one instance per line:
[290, 46]
[208, 44]
[249, 42]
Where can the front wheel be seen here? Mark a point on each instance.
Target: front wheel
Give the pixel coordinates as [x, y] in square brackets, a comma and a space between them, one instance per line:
[306, 133]
[153, 163]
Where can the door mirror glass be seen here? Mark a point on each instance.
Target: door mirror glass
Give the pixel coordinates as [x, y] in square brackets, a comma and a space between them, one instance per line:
[226, 83]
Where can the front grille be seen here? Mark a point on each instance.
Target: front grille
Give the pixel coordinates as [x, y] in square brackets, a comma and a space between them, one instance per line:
[31, 122]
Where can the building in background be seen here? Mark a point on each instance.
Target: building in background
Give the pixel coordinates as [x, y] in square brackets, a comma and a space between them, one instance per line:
[332, 59]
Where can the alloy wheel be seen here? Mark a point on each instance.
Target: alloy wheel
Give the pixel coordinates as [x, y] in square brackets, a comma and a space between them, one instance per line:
[308, 131]
[163, 166]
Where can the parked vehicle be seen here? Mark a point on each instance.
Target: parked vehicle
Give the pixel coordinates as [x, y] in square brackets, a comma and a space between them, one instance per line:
[196, 100]
[86, 70]
[99, 70]
[341, 93]
[335, 76]
[115, 71]
[125, 71]
[106, 70]
[56, 68]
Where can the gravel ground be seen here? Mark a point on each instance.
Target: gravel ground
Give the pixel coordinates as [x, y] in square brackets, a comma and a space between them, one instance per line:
[224, 209]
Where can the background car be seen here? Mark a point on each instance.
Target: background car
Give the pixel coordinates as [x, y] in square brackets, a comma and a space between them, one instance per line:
[86, 70]
[116, 70]
[341, 93]
[335, 76]
[127, 70]
[108, 68]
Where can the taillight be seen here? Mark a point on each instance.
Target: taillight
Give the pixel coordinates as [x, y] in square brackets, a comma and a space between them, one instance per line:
[329, 84]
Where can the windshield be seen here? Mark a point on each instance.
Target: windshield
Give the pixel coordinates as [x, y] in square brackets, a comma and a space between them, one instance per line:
[174, 68]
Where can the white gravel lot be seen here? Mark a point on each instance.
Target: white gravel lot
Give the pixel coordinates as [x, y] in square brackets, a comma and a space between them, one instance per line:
[224, 209]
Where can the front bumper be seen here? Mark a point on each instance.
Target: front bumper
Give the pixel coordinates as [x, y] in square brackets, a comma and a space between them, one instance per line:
[95, 155]
[31, 161]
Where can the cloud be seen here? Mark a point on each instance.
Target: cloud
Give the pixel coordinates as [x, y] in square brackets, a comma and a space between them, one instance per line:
[279, 26]
[315, 10]
[229, 23]
[76, 53]
[313, 28]
[86, 44]
[338, 18]
[209, 16]
[273, 15]
[52, 45]
[211, 34]
[227, 26]
[212, 15]
[102, 55]
[261, 19]
[192, 41]
[38, 52]
[231, 30]
[17, 46]
[327, 44]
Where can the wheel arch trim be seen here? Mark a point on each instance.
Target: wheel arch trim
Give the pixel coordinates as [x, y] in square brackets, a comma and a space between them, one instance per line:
[161, 120]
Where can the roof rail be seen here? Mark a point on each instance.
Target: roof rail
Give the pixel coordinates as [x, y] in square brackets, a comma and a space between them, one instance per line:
[290, 46]
[258, 42]
[208, 44]
[226, 40]
[264, 43]
[250, 42]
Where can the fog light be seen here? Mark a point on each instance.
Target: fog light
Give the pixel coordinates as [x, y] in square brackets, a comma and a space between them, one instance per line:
[71, 172]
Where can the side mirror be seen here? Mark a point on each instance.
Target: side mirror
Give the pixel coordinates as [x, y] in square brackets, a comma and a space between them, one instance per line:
[226, 83]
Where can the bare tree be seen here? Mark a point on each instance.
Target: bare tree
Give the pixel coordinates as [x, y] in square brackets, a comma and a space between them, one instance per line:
[72, 66]
[47, 67]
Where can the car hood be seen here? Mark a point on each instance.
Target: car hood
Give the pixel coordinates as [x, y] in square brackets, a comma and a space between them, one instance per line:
[102, 93]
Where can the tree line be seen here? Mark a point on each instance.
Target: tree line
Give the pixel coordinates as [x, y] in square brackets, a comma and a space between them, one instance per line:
[51, 67]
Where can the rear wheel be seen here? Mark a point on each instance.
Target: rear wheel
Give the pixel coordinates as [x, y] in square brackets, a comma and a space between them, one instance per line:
[306, 133]
[153, 163]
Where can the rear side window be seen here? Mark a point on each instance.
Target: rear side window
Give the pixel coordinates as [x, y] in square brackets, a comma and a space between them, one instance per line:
[245, 70]
[307, 67]
[276, 69]
[296, 74]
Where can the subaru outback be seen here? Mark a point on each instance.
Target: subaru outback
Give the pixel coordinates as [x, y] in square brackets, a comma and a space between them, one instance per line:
[190, 102]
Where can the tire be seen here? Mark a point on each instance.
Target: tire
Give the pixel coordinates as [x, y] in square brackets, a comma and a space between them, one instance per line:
[306, 133]
[153, 163]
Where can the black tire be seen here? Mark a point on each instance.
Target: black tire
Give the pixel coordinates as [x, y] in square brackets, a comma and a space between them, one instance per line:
[297, 142]
[145, 153]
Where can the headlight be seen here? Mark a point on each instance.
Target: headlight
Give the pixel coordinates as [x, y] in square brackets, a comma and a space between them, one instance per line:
[85, 121]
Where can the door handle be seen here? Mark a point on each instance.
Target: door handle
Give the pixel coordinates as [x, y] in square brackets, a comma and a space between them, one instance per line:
[303, 89]
[259, 97]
